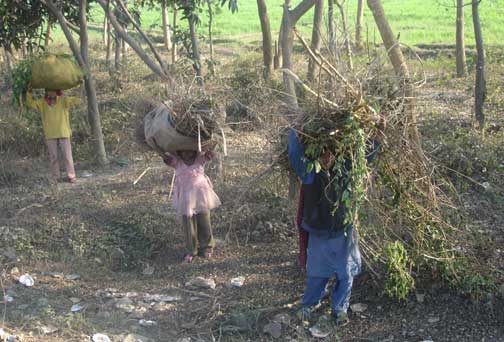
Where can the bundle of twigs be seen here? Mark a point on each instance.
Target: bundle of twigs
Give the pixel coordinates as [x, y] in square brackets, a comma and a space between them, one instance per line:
[410, 204]
[193, 116]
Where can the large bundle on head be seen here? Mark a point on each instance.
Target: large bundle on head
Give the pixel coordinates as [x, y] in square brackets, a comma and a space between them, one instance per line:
[409, 216]
[183, 125]
[49, 71]
[55, 72]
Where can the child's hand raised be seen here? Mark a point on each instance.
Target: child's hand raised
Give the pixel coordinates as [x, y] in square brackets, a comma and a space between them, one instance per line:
[167, 159]
[209, 146]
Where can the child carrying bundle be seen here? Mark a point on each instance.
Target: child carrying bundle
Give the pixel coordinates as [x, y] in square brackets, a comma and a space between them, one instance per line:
[183, 138]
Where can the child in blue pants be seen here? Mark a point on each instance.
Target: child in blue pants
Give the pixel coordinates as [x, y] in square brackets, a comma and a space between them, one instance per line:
[332, 247]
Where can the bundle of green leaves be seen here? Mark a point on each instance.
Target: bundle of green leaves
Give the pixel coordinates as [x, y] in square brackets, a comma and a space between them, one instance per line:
[21, 77]
[344, 133]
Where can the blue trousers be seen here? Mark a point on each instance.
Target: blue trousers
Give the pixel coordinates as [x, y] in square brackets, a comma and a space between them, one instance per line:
[340, 298]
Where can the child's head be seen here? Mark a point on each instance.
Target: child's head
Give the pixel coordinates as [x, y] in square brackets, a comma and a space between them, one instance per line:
[53, 93]
[326, 159]
[187, 156]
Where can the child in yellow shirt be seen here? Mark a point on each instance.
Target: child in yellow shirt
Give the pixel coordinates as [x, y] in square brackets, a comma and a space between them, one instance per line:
[54, 108]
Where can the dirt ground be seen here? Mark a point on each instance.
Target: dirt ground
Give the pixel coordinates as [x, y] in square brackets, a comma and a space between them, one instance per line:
[261, 248]
[112, 250]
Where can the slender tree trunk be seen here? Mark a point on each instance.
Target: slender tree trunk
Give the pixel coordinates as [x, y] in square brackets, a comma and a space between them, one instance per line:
[400, 68]
[166, 26]
[48, 33]
[105, 31]
[195, 48]
[394, 50]
[174, 44]
[142, 34]
[358, 24]
[289, 19]
[460, 45]
[480, 87]
[267, 39]
[82, 59]
[210, 28]
[332, 29]
[117, 52]
[277, 60]
[316, 38]
[8, 64]
[124, 45]
[93, 112]
[348, 46]
[109, 44]
[287, 42]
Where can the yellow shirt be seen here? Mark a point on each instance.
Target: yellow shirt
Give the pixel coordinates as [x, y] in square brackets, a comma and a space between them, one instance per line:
[55, 118]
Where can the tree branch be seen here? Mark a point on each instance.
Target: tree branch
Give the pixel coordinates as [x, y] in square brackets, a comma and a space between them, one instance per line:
[142, 33]
[66, 30]
[300, 10]
[138, 49]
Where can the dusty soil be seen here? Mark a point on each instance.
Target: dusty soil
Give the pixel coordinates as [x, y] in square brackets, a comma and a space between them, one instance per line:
[255, 239]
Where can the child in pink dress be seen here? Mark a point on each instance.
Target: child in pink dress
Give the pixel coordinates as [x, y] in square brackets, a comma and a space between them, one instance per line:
[193, 198]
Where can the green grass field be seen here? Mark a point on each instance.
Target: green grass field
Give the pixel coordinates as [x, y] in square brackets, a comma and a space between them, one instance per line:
[417, 21]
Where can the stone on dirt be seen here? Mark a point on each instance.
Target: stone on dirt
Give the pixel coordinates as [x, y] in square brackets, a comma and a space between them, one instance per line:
[201, 282]
[358, 307]
[100, 338]
[136, 338]
[274, 329]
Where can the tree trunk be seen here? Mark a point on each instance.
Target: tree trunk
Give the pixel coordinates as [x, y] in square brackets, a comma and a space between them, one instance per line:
[332, 29]
[117, 52]
[109, 44]
[358, 24]
[460, 45]
[400, 68]
[8, 64]
[287, 42]
[142, 34]
[105, 31]
[480, 87]
[392, 46]
[119, 30]
[93, 112]
[267, 39]
[277, 60]
[174, 44]
[289, 19]
[48, 33]
[82, 59]
[195, 48]
[348, 46]
[210, 28]
[166, 26]
[316, 38]
[124, 45]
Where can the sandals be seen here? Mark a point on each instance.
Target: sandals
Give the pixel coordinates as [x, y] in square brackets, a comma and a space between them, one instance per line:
[188, 258]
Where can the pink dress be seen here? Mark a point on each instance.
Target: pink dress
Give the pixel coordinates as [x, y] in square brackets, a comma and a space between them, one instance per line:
[193, 191]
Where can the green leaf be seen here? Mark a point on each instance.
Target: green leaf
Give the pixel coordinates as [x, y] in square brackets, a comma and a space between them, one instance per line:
[309, 167]
[317, 166]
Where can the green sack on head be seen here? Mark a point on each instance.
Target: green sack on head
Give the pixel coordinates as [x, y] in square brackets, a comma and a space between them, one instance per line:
[56, 72]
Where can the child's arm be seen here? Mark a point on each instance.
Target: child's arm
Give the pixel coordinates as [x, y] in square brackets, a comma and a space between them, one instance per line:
[170, 159]
[206, 156]
[30, 102]
[297, 158]
[71, 101]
